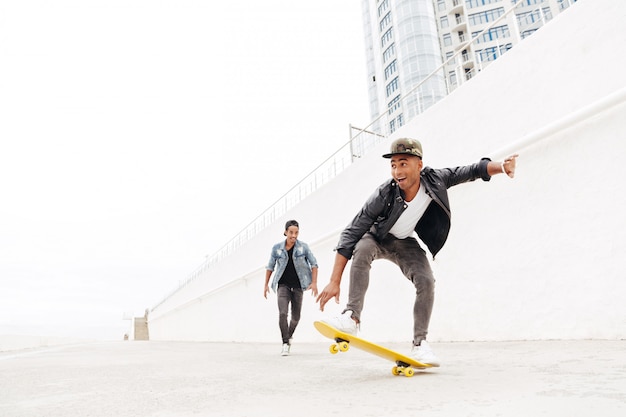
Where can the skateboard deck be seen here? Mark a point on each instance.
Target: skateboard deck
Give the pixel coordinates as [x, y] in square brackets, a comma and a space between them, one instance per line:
[343, 341]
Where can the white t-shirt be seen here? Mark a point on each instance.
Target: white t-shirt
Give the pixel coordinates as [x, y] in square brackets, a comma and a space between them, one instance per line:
[405, 226]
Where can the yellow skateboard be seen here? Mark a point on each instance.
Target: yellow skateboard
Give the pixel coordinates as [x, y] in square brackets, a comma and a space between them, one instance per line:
[343, 341]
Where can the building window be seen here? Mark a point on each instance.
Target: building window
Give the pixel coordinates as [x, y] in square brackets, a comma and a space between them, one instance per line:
[536, 15]
[385, 22]
[392, 86]
[386, 37]
[443, 22]
[441, 5]
[470, 4]
[492, 34]
[452, 77]
[527, 33]
[491, 54]
[396, 123]
[448, 56]
[394, 104]
[383, 7]
[447, 39]
[564, 4]
[485, 17]
[390, 69]
[389, 52]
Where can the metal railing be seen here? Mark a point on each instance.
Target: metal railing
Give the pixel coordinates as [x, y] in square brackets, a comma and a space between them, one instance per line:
[359, 144]
[322, 174]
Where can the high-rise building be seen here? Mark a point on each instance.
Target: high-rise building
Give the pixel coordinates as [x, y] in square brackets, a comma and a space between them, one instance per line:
[402, 49]
[418, 51]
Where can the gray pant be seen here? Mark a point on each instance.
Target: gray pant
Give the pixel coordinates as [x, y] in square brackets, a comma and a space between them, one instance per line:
[286, 296]
[412, 260]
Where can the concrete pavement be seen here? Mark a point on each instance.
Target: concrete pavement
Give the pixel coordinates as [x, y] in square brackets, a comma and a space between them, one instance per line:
[163, 379]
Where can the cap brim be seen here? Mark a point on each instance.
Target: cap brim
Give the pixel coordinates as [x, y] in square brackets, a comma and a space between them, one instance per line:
[389, 155]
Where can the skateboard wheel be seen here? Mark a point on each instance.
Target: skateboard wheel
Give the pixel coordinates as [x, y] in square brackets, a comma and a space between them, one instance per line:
[395, 371]
[409, 372]
[344, 346]
[333, 349]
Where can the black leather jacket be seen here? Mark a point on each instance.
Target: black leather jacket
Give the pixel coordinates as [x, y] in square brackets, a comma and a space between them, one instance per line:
[383, 208]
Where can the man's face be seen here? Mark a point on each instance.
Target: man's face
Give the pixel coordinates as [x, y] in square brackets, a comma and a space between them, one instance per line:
[292, 233]
[405, 169]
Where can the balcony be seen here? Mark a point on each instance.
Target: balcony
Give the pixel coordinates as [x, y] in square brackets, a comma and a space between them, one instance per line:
[457, 6]
[467, 60]
[461, 39]
[460, 24]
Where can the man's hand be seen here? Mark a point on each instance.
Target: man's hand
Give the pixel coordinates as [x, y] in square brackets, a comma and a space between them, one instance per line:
[508, 165]
[313, 288]
[331, 290]
[266, 290]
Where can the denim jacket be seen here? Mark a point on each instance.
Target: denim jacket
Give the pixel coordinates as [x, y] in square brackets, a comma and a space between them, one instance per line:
[386, 204]
[303, 260]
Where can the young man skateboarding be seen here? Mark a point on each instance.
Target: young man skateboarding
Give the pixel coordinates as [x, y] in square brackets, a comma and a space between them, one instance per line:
[296, 271]
[413, 201]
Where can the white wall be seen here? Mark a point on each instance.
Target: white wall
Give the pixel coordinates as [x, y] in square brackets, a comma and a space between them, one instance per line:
[537, 257]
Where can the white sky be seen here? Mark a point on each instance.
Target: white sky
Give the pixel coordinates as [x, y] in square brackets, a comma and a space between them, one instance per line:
[137, 137]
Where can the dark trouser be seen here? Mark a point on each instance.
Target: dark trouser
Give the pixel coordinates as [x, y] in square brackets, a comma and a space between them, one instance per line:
[412, 260]
[288, 295]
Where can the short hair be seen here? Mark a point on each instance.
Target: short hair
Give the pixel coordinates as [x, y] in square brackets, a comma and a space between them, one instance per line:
[291, 223]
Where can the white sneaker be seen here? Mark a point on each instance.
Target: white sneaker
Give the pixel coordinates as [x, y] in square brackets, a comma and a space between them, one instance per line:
[344, 323]
[285, 351]
[424, 354]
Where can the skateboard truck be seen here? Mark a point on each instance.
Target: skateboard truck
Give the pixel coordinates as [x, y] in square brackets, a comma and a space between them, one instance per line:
[339, 345]
[402, 368]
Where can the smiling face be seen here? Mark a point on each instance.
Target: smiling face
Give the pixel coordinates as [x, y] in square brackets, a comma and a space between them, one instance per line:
[405, 169]
[292, 234]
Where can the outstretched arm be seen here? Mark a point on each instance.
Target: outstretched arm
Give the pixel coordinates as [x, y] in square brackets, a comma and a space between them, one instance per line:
[505, 167]
[333, 287]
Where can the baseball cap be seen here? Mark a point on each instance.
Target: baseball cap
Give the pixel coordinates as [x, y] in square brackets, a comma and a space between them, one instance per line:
[405, 145]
